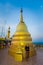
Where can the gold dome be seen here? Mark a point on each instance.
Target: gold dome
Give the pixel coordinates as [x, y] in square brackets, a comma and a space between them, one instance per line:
[21, 27]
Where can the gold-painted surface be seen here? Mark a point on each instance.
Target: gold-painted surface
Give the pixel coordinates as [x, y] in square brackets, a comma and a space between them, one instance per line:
[20, 39]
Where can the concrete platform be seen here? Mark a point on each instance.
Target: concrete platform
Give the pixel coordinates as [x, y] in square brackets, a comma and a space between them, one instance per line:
[5, 59]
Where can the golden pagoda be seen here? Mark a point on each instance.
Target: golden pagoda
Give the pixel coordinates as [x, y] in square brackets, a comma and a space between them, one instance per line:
[21, 46]
[8, 33]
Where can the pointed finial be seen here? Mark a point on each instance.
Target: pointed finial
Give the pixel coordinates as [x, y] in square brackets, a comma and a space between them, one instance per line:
[9, 28]
[21, 10]
[21, 16]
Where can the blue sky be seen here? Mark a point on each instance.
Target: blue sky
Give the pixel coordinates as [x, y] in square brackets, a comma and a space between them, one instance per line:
[32, 15]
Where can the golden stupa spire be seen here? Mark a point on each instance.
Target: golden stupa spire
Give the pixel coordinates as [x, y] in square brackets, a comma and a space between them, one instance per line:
[9, 32]
[21, 16]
